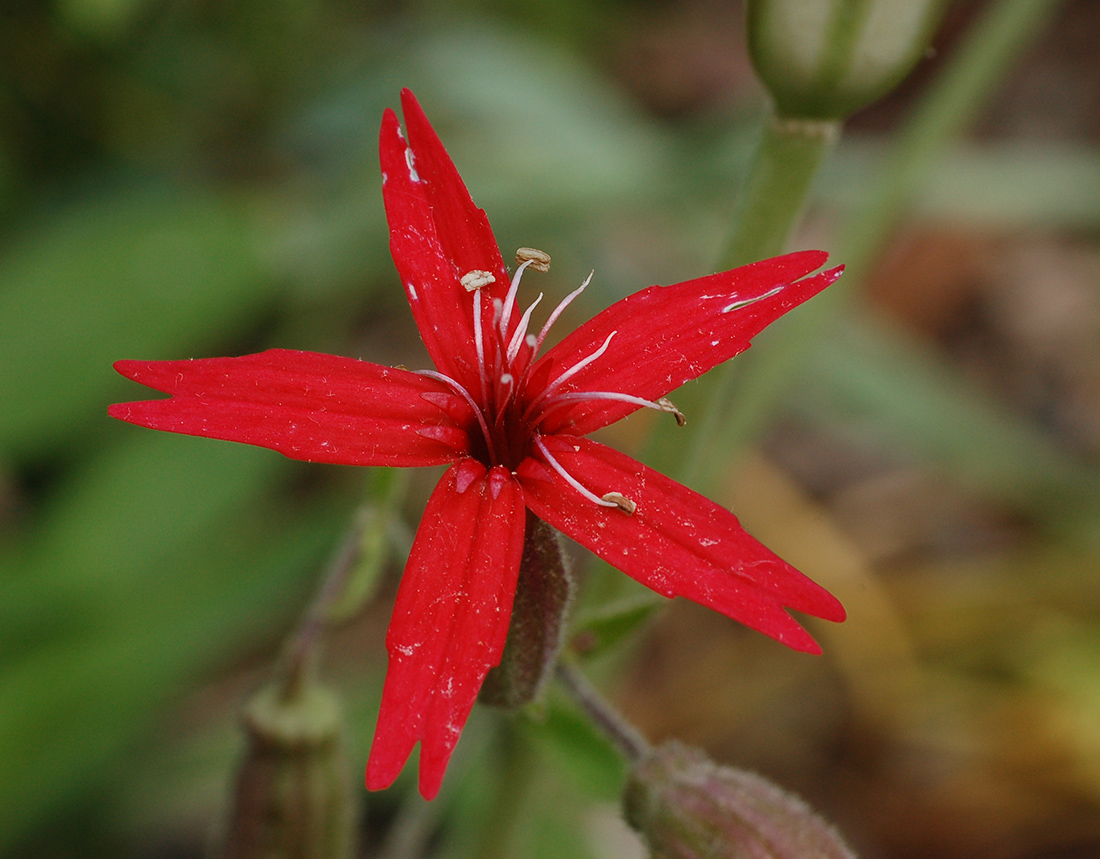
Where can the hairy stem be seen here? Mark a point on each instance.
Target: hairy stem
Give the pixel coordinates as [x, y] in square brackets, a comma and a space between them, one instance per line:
[622, 734]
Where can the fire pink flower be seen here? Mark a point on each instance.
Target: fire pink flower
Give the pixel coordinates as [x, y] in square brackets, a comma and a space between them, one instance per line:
[512, 427]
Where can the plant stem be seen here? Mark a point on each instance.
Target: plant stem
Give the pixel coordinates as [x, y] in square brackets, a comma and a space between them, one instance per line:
[769, 207]
[757, 381]
[622, 734]
[514, 785]
[783, 170]
[300, 657]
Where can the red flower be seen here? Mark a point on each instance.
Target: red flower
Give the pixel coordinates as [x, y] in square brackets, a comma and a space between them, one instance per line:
[512, 426]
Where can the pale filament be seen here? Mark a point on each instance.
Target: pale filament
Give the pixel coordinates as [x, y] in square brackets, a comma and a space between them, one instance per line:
[462, 392]
[521, 331]
[580, 396]
[572, 371]
[569, 478]
[510, 299]
[504, 393]
[565, 302]
[479, 347]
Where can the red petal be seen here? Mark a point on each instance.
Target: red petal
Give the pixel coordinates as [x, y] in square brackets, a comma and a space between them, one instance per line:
[676, 542]
[437, 235]
[450, 620]
[463, 228]
[667, 335]
[309, 406]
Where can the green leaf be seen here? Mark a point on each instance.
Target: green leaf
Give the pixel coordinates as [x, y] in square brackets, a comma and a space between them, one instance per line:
[143, 273]
[577, 748]
[875, 377]
[1005, 186]
[602, 630]
[124, 629]
[112, 522]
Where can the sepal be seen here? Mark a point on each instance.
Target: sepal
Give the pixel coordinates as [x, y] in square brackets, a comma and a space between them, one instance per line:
[826, 59]
[688, 807]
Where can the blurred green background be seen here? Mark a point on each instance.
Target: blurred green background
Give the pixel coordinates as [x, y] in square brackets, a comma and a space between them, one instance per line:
[186, 178]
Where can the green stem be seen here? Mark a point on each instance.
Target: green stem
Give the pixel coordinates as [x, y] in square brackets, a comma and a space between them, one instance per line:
[769, 207]
[622, 734]
[758, 380]
[302, 649]
[514, 785]
[783, 169]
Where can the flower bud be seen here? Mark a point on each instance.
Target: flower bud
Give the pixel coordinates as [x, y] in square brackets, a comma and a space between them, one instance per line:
[688, 807]
[543, 593]
[293, 797]
[825, 59]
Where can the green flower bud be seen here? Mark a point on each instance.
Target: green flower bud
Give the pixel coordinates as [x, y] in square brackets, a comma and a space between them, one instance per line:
[688, 807]
[825, 59]
[293, 797]
[543, 594]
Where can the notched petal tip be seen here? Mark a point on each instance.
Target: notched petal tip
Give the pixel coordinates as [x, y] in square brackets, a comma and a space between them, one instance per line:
[134, 370]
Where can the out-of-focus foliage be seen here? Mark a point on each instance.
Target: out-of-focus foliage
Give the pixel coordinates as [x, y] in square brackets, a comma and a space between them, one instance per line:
[187, 177]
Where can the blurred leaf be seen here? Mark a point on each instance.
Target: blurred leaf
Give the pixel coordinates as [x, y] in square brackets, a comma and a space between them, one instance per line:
[608, 626]
[147, 565]
[145, 273]
[100, 20]
[1007, 186]
[532, 126]
[84, 699]
[872, 376]
[108, 528]
[578, 749]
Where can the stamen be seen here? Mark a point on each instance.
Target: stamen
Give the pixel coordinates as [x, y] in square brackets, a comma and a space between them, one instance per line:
[540, 260]
[622, 502]
[664, 404]
[479, 347]
[572, 481]
[462, 392]
[510, 299]
[559, 309]
[476, 279]
[745, 302]
[521, 331]
[580, 365]
[572, 371]
[504, 393]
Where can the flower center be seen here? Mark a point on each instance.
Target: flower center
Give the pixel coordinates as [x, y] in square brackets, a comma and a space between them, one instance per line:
[508, 410]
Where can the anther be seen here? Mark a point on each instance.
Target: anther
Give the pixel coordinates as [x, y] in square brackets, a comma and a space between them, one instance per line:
[666, 406]
[476, 279]
[622, 502]
[609, 500]
[540, 261]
